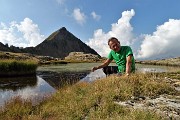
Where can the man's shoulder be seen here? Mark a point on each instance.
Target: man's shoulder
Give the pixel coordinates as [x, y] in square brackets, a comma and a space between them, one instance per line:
[125, 47]
[112, 52]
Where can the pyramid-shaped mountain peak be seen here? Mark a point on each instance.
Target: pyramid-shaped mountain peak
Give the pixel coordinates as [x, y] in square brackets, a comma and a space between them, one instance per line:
[60, 44]
[63, 29]
[60, 35]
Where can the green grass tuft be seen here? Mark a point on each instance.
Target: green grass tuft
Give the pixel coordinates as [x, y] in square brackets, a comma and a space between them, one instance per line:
[14, 67]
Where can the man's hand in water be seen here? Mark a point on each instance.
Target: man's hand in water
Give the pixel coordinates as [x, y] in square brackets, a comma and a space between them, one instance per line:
[94, 68]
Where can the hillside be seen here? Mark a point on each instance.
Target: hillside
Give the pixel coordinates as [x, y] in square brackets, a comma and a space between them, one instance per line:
[72, 57]
[4, 47]
[167, 62]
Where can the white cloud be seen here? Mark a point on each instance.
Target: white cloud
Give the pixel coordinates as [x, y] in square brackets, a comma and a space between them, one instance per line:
[95, 16]
[79, 16]
[122, 30]
[163, 43]
[24, 34]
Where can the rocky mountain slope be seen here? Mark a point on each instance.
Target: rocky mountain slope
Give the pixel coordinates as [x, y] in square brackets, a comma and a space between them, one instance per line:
[80, 56]
[60, 44]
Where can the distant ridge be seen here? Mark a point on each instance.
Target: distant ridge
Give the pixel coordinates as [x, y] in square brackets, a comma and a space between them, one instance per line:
[59, 44]
[4, 47]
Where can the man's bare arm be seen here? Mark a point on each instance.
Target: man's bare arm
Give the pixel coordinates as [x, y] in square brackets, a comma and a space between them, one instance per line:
[106, 63]
[128, 64]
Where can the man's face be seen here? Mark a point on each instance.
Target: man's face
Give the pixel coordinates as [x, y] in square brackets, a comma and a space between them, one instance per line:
[114, 45]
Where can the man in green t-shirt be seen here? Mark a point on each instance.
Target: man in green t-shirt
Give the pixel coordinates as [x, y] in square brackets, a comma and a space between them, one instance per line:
[122, 55]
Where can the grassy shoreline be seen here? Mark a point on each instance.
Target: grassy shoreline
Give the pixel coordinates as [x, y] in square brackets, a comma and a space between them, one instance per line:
[164, 62]
[93, 101]
[17, 67]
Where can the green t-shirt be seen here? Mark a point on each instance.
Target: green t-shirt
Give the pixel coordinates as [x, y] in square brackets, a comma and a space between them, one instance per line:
[120, 58]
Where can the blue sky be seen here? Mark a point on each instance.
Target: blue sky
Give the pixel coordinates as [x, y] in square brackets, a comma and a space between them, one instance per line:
[150, 27]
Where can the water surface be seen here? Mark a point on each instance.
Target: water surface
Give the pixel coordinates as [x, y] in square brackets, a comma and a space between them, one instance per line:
[35, 89]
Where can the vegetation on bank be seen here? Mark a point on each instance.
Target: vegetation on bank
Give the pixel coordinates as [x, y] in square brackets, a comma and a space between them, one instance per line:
[93, 101]
[17, 67]
[45, 60]
[166, 62]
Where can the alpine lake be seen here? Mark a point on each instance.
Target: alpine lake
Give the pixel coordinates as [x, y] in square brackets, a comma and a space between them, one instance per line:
[49, 78]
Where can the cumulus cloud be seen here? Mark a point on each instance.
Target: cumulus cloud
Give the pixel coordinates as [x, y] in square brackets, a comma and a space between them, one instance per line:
[95, 16]
[163, 43]
[79, 16]
[23, 34]
[122, 30]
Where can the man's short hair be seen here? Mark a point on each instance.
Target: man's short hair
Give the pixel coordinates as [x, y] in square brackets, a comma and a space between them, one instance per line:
[112, 38]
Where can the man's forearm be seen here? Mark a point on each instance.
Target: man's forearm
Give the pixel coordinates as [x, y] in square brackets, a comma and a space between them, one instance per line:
[102, 65]
[106, 63]
[128, 67]
[128, 64]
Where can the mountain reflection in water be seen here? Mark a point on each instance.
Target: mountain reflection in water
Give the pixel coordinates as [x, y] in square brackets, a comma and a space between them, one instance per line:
[58, 80]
